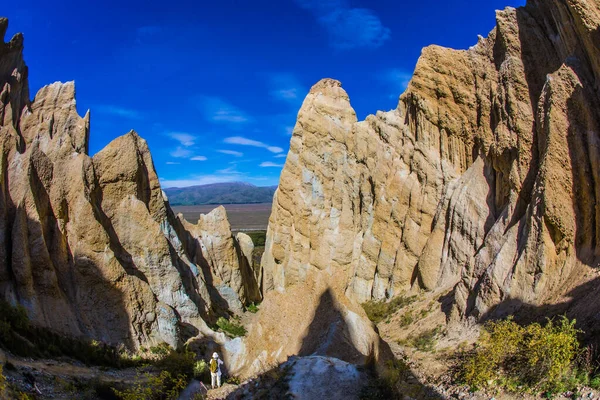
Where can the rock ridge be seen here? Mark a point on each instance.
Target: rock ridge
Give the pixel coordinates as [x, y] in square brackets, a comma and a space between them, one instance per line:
[89, 245]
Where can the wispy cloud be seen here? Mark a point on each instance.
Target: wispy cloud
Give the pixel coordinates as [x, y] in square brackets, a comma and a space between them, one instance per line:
[242, 141]
[396, 79]
[181, 152]
[172, 163]
[289, 130]
[229, 170]
[198, 158]
[348, 27]
[286, 87]
[268, 164]
[218, 110]
[117, 111]
[185, 139]
[281, 156]
[231, 153]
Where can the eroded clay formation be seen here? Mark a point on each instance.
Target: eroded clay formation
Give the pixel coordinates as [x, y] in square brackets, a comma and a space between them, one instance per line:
[483, 182]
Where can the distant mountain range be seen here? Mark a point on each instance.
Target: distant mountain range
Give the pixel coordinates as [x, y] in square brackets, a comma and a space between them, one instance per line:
[220, 193]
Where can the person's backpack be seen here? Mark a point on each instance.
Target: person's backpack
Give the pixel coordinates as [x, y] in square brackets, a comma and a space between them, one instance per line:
[214, 366]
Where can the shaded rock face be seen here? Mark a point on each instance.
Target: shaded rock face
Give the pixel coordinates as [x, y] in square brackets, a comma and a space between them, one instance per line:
[484, 180]
[314, 318]
[89, 245]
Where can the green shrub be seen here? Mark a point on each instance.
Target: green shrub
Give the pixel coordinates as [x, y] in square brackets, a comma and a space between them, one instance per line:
[230, 327]
[201, 371]
[161, 350]
[233, 380]
[258, 237]
[427, 340]
[161, 387]
[533, 358]
[378, 311]
[178, 362]
[406, 319]
[253, 308]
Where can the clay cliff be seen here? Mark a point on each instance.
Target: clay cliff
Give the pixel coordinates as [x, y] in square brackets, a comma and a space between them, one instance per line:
[483, 183]
[89, 245]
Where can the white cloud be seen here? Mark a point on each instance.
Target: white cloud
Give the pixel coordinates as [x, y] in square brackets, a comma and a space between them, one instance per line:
[289, 130]
[218, 110]
[348, 27]
[268, 164]
[198, 158]
[231, 153]
[281, 156]
[229, 171]
[181, 152]
[172, 163]
[185, 139]
[242, 141]
[286, 87]
[117, 111]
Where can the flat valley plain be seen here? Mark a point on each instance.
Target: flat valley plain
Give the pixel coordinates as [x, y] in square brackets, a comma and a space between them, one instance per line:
[242, 217]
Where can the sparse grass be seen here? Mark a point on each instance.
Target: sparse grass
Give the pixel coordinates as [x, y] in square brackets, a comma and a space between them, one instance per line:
[384, 387]
[158, 387]
[233, 380]
[2, 383]
[426, 341]
[22, 338]
[533, 358]
[378, 311]
[406, 319]
[231, 327]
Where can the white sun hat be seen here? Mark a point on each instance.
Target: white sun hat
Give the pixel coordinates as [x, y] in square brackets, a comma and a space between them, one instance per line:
[215, 355]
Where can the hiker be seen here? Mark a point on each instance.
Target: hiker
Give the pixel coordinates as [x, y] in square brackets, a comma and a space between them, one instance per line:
[215, 371]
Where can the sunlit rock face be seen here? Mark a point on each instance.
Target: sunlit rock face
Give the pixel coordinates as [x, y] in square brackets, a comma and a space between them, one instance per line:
[89, 245]
[483, 181]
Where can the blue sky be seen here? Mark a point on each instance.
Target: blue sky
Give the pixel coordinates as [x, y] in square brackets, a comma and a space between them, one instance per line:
[215, 86]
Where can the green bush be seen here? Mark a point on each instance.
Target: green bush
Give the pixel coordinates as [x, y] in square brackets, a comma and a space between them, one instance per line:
[162, 349]
[253, 308]
[406, 319]
[258, 237]
[377, 311]
[178, 362]
[161, 387]
[230, 327]
[533, 358]
[201, 371]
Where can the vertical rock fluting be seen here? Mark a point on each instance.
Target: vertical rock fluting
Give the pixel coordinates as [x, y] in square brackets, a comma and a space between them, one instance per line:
[483, 180]
[89, 245]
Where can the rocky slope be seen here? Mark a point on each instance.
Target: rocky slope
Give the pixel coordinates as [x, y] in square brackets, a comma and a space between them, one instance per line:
[482, 183]
[89, 245]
